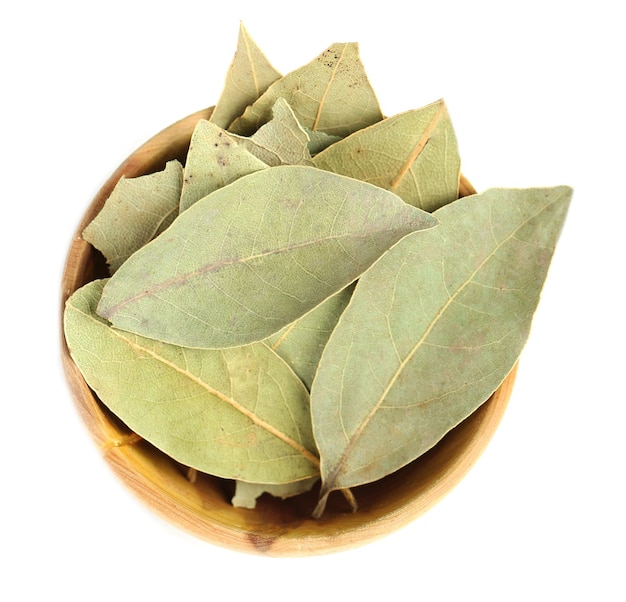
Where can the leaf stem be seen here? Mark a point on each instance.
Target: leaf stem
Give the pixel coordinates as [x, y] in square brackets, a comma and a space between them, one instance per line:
[347, 493]
[324, 493]
[321, 504]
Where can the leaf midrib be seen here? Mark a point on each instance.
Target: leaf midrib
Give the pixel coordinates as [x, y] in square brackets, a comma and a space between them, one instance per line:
[252, 65]
[329, 484]
[418, 148]
[327, 89]
[216, 266]
[255, 419]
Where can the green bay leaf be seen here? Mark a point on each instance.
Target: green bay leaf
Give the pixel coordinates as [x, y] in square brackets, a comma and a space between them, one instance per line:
[281, 141]
[256, 255]
[302, 342]
[432, 329]
[214, 159]
[331, 93]
[414, 154]
[246, 494]
[137, 210]
[248, 77]
[236, 413]
[318, 141]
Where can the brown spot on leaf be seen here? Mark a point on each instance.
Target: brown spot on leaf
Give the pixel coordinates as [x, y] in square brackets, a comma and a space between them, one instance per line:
[249, 440]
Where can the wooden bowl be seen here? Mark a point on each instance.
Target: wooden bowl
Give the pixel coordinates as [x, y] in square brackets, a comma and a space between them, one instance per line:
[202, 506]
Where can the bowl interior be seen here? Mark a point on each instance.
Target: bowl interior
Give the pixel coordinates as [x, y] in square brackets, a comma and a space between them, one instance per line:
[201, 503]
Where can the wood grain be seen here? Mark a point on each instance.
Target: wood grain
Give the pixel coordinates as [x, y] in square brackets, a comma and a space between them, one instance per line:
[202, 507]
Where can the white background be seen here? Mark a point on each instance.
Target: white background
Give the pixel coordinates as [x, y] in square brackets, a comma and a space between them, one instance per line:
[535, 91]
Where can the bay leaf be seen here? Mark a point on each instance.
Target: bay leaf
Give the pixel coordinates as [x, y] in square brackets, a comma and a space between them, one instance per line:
[331, 93]
[254, 256]
[137, 210]
[432, 329]
[414, 154]
[318, 141]
[214, 159]
[281, 141]
[302, 342]
[236, 413]
[246, 494]
[248, 77]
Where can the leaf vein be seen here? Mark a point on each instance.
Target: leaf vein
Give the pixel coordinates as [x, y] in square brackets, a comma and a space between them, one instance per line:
[255, 419]
[366, 420]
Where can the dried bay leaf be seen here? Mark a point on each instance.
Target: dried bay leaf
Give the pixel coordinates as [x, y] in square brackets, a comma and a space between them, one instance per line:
[246, 494]
[432, 329]
[214, 159]
[293, 235]
[281, 141]
[236, 413]
[331, 93]
[248, 77]
[414, 154]
[302, 342]
[318, 141]
[137, 210]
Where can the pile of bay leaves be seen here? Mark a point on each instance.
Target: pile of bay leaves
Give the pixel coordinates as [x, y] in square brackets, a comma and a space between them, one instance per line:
[307, 298]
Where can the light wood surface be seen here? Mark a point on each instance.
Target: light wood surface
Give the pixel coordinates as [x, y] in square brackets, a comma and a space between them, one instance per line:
[202, 507]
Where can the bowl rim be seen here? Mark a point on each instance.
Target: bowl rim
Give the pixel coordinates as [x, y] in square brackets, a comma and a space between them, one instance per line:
[196, 507]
